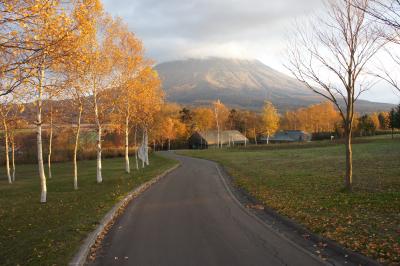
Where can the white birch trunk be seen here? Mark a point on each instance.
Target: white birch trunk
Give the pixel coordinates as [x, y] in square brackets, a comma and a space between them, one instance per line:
[136, 151]
[50, 142]
[13, 156]
[127, 166]
[217, 124]
[42, 176]
[98, 148]
[218, 137]
[7, 151]
[147, 147]
[267, 137]
[143, 143]
[76, 147]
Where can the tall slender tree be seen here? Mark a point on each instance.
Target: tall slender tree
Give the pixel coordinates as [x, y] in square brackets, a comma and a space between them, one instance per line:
[332, 58]
[51, 38]
[127, 53]
[270, 119]
[221, 114]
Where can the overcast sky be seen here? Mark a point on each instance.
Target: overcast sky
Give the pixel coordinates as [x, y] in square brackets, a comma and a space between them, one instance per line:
[255, 29]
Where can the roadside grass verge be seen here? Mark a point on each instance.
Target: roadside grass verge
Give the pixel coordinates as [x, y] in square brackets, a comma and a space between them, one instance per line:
[49, 234]
[306, 183]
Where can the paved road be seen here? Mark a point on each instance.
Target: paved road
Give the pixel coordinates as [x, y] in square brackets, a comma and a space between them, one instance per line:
[190, 218]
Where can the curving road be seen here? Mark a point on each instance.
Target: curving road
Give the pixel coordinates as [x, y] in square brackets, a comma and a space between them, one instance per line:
[191, 218]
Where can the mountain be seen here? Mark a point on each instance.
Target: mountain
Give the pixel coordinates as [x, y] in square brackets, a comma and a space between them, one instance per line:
[239, 84]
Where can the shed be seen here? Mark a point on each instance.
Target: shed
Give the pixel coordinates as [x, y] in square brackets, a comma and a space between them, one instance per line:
[289, 136]
[206, 139]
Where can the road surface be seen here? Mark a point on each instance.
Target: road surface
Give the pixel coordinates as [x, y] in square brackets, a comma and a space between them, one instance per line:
[190, 218]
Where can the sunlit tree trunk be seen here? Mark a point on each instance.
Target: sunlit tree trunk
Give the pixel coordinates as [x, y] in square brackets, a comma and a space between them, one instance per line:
[98, 148]
[349, 158]
[255, 137]
[218, 129]
[136, 151]
[50, 142]
[13, 156]
[143, 143]
[147, 147]
[42, 176]
[76, 147]
[7, 151]
[127, 166]
[348, 179]
[169, 144]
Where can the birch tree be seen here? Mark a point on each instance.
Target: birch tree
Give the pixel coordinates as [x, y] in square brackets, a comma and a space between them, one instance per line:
[16, 122]
[221, 114]
[331, 59]
[52, 39]
[5, 110]
[127, 55]
[98, 79]
[77, 79]
[148, 90]
[270, 119]
[50, 112]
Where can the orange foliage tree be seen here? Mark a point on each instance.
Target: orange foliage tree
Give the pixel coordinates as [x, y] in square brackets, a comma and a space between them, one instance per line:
[315, 118]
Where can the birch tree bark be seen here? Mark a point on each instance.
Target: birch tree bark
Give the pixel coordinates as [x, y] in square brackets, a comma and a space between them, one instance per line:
[78, 129]
[98, 146]
[12, 138]
[136, 151]
[50, 142]
[147, 147]
[143, 145]
[217, 123]
[42, 176]
[127, 166]
[7, 151]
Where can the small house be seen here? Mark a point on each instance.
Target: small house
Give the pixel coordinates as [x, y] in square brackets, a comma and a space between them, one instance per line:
[288, 136]
[206, 139]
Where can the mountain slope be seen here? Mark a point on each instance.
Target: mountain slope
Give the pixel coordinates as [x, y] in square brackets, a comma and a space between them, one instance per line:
[238, 83]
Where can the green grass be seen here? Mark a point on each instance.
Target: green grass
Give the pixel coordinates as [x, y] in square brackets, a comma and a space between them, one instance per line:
[305, 182]
[49, 234]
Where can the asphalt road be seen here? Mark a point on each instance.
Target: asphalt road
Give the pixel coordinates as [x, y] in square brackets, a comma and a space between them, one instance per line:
[190, 218]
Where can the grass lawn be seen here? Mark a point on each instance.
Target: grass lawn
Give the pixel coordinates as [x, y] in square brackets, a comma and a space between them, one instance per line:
[306, 184]
[49, 234]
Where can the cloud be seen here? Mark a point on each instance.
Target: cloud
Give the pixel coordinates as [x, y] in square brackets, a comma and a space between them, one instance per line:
[177, 29]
